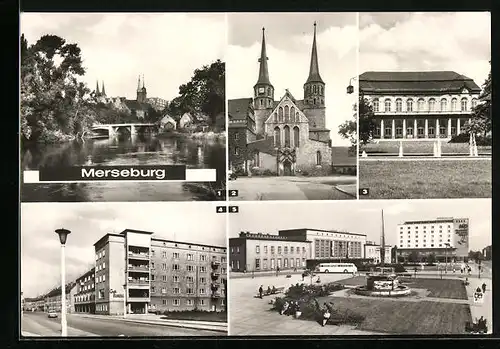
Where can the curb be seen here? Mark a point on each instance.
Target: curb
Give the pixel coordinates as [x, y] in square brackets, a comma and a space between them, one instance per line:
[345, 192]
[249, 274]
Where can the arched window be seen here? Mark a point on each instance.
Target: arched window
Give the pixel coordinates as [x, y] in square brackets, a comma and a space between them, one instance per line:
[474, 103]
[432, 104]
[275, 117]
[409, 105]
[318, 158]
[297, 118]
[269, 92]
[287, 113]
[444, 104]
[286, 129]
[420, 104]
[314, 101]
[315, 89]
[454, 104]
[256, 159]
[399, 105]
[277, 138]
[296, 137]
[292, 114]
[375, 105]
[463, 104]
[280, 114]
[387, 105]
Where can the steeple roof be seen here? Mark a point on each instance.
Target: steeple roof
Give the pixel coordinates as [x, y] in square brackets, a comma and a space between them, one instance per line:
[263, 69]
[314, 67]
[103, 89]
[97, 88]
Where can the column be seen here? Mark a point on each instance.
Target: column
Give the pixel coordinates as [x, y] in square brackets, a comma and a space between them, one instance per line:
[382, 129]
[449, 128]
[426, 128]
[415, 132]
[393, 128]
[404, 128]
[458, 126]
[437, 128]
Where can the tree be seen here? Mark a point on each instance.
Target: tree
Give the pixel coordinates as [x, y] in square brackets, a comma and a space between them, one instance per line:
[413, 257]
[366, 120]
[394, 254]
[54, 104]
[348, 130]
[431, 258]
[204, 93]
[481, 114]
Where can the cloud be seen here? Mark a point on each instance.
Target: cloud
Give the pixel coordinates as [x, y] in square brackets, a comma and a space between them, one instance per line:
[117, 47]
[417, 41]
[289, 60]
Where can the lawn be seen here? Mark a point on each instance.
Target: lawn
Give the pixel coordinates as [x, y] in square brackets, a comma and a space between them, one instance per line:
[422, 147]
[355, 281]
[196, 316]
[446, 288]
[426, 179]
[400, 317]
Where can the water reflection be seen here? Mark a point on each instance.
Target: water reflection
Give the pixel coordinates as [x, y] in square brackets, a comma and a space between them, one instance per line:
[135, 150]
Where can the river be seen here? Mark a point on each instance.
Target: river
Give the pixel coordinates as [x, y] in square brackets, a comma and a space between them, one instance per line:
[136, 150]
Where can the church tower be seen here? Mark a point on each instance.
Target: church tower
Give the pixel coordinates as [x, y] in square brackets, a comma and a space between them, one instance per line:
[314, 97]
[103, 93]
[263, 90]
[141, 91]
[97, 93]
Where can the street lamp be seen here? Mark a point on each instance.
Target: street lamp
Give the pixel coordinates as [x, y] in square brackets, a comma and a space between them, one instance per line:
[125, 300]
[63, 235]
[350, 88]
[446, 257]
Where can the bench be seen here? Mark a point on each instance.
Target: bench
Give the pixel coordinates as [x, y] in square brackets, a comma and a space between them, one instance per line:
[265, 293]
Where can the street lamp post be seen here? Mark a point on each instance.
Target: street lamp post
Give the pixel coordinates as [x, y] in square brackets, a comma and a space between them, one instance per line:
[125, 300]
[63, 235]
[446, 245]
[350, 88]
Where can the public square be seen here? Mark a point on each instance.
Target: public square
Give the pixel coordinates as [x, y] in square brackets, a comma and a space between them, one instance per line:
[294, 188]
[436, 306]
[34, 324]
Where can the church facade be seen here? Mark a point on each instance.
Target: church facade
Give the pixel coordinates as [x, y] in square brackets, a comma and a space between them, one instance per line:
[290, 134]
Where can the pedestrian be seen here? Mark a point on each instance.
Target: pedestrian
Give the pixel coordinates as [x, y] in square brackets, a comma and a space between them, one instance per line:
[478, 289]
[303, 275]
[284, 308]
[268, 289]
[261, 291]
[484, 287]
[326, 316]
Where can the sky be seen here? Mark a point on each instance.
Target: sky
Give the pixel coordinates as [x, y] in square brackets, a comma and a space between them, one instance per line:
[117, 47]
[362, 217]
[289, 43]
[195, 222]
[456, 41]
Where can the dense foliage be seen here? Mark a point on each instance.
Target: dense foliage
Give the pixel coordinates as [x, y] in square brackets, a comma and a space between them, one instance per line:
[55, 105]
[366, 120]
[481, 114]
[348, 130]
[204, 93]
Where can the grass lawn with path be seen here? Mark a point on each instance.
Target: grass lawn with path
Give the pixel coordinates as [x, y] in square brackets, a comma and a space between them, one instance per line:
[422, 147]
[446, 288]
[196, 316]
[426, 179]
[400, 317]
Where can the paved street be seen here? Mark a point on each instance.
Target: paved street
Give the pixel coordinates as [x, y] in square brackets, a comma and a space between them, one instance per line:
[294, 188]
[38, 323]
[252, 316]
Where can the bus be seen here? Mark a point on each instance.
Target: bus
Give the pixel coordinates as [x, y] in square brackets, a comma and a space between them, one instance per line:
[337, 268]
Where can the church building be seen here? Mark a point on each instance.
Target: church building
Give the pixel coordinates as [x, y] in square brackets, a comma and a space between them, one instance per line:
[285, 136]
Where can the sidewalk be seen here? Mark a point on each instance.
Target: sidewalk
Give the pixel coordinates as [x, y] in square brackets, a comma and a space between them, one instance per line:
[484, 309]
[156, 320]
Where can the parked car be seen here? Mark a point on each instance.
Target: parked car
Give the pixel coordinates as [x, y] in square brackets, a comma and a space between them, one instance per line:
[52, 314]
[232, 175]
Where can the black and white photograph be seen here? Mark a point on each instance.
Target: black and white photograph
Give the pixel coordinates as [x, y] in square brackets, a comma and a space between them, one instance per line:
[368, 267]
[123, 270]
[291, 124]
[123, 92]
[425, 105]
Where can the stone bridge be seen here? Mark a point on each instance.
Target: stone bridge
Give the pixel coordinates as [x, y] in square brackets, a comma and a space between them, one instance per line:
[114, 128]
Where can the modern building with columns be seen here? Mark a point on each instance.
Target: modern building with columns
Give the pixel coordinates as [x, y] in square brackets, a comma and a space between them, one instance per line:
[419, 105]
[138, 272]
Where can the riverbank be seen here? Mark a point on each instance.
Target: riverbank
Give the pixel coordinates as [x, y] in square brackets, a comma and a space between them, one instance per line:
[209, 136]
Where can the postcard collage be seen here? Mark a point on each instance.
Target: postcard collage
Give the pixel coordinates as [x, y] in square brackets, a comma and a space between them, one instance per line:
[255, 174]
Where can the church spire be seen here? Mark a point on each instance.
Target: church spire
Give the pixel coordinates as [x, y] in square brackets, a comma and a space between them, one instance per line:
[103, 89]
[314, 67]
[139, 83]
[143, 83]
[263, 70]
[97, 93]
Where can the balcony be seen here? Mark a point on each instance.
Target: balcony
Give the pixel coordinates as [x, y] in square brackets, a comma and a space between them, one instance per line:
[215, 275]
[138, 268]
[215, 264]
[216, 294]
[138, 256]
[138, 299]
[137, 283]
[215, 285]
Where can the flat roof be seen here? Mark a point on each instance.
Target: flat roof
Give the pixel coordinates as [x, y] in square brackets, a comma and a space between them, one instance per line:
[324, 231]
[186, 243]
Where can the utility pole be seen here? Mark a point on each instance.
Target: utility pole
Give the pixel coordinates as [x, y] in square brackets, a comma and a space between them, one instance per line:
[382, 243]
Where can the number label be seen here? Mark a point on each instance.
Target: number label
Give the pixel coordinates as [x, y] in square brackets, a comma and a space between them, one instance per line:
[220, 193]
[233, 193]
[364, 191]
[221, 209]
[233, 209]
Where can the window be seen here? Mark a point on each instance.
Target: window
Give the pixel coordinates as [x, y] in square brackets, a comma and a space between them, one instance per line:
[265, 249]
[454, 104]
[223, 259]
[279, 249]
[409, 105]
[189, 268]
[291, 249]
[163, 290]
[257, 263]
[202, 302]
[177, 290]
[189, 257]
[272, 249]
[164, 266]
[296, 137]
[175, 267]
[444, 104]
[286, 130]
[432, 104]
[164, 278]
[189, 279]
[176, 302]
[399, 105]
[463, 104]
[176, 255]
[287, 113]
[318, 158]
[285, 249]
[236, 136]
[280, 114]
[474, 103]
[164, 301]
[277, 138]
[202, 291]
[189, 290]
[203, 258]
[420, 104]
[236, 151]
[176, 278]
[387, 105]
[375, 105]
[202, 269]
[203, 280]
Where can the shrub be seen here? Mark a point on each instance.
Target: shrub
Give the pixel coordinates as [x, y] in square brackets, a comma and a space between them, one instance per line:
[464, 138]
